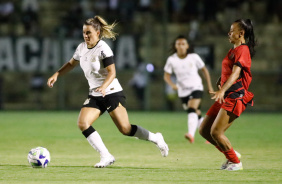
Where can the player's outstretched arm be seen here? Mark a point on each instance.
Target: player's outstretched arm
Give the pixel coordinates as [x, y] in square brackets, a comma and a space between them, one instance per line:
[167, 79]
[218, 83]
[219, 95]
[208, 78]
[63, 70]
[110, 77]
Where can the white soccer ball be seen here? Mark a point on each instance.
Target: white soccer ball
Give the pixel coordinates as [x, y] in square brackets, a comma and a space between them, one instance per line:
[39, 157]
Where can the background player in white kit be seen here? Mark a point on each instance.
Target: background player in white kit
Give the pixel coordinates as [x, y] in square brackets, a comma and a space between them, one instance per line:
[96, 60]
[189, 84]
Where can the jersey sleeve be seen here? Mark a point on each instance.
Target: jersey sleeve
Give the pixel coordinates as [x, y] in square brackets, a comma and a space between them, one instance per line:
[105, 51]
[243, 58]
[106, 55]
[199, 62]
[168, 66]
[76, 53]
[108, 61]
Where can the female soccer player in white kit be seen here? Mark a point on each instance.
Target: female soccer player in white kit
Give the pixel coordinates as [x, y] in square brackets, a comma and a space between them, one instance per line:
[105, 93]
[189, 84]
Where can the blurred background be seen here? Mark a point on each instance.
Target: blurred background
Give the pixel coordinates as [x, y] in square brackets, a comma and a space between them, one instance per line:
[38, 36]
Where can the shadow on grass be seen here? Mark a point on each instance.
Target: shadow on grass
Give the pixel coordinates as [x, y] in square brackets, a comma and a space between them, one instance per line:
[12, 165]
[110, 167]
[80, 166]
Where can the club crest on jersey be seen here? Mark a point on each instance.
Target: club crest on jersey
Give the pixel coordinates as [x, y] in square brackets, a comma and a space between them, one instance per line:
[231, 56]
[94, 59]
[103, 55]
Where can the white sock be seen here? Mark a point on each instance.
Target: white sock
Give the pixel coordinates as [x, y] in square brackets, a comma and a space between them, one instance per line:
[192, 123]
[200, 122]
[142, 133]
[96, 142]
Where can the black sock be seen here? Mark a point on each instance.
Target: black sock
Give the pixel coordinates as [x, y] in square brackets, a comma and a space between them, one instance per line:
[88, 131]
[133, 130]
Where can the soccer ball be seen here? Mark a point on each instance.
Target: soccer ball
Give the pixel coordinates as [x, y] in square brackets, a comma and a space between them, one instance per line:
[39, 157]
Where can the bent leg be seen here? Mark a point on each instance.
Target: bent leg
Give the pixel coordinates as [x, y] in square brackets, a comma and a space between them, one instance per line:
[205, 129]
[222, 122]
[120, 118]
[200, 118]
[193, 105]
[86, 118]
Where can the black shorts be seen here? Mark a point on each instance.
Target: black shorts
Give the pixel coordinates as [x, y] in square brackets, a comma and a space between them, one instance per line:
[109, 102]
[193, 95]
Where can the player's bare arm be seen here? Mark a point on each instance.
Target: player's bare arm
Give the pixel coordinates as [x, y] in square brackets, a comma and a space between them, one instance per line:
[219, 95]
[218, 83]
[208, 78]
[63, 70]
[168, 81]
[110, 77]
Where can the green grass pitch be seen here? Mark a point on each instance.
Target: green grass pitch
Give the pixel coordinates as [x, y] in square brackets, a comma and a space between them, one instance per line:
[257, 136]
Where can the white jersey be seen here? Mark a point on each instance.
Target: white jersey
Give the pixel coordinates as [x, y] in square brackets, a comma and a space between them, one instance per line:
[91, 63]
[186, 71]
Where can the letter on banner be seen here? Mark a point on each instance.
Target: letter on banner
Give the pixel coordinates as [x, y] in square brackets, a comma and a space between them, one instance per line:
[33, 46]
[70, 46]
[6, 55]
[50, 55]
[125, 54]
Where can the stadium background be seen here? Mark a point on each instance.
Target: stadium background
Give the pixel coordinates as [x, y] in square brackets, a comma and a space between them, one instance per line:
[38, 36]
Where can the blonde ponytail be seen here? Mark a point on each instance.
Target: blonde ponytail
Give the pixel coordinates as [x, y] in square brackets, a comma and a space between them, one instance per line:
[106, 30]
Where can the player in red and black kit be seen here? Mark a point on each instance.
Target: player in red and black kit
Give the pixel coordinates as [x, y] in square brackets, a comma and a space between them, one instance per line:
[233, 96]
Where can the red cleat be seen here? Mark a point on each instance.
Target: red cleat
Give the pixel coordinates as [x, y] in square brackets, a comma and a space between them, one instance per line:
[190, 138]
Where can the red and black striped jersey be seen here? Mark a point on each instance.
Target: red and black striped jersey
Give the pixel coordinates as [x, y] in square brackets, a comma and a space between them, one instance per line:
[241, 57]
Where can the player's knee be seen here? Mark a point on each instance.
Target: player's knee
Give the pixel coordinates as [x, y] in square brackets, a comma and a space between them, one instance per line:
[82, 125]
[215, 134]
[204, 131]
[201, 131]
[125, 130]
[191, 110]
